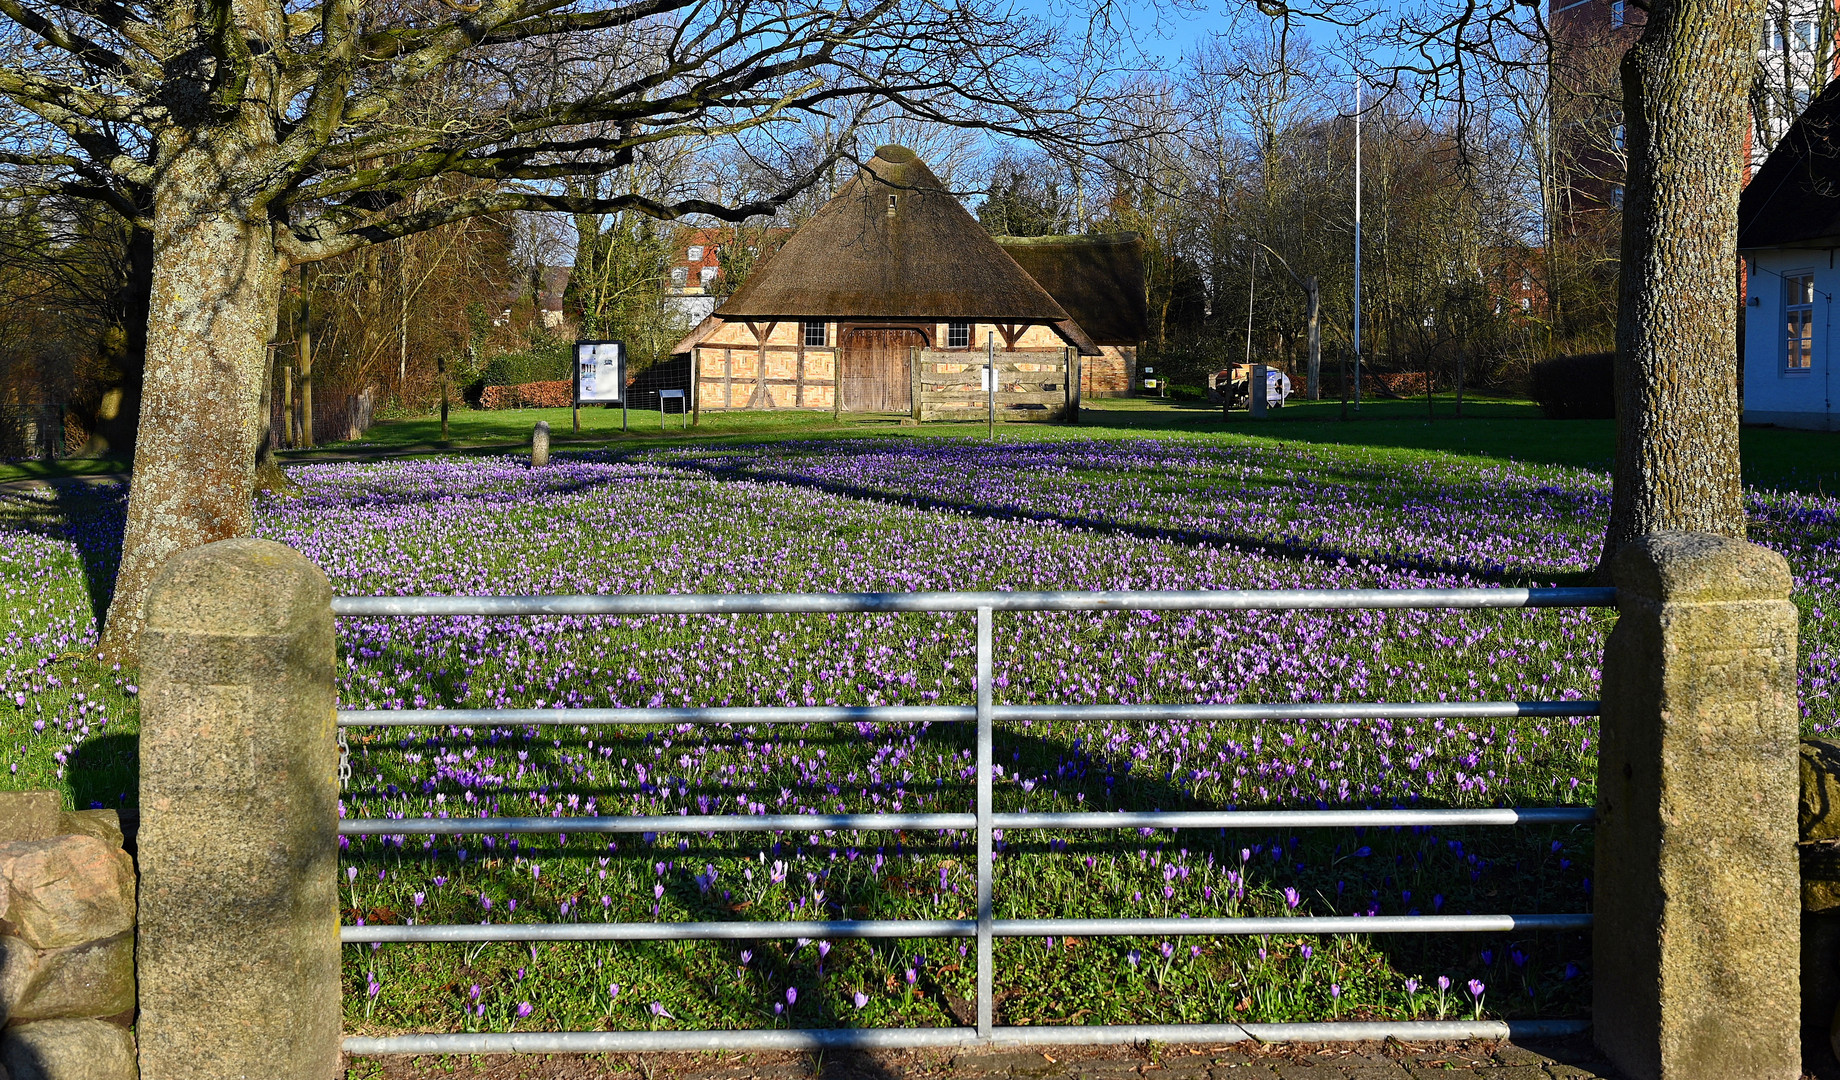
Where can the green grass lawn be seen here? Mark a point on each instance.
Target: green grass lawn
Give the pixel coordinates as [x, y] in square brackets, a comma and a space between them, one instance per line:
[1499, 428]
[52, 470]
[756, 502]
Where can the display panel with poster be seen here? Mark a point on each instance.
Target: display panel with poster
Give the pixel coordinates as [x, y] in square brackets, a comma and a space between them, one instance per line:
[600, 372]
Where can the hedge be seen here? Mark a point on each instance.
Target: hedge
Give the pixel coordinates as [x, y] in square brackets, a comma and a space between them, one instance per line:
[532, 395]
[1578, 387]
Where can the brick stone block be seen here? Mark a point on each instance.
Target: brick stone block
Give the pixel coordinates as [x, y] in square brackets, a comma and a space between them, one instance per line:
[29, 815]
[66, 891]
[104, 825]
[1697, 886]
[238, 954]
[92, 980]
[18, 967]
[67, 1050]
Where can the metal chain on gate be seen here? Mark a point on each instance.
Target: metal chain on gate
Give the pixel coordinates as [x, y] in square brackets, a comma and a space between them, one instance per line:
[344, 761]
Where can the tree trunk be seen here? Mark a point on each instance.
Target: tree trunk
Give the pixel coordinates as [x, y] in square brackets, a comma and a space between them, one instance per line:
[118, 412]
[270, 476]
[1684, 105]
[216, 289]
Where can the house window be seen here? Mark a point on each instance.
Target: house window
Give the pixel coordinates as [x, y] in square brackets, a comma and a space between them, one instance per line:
[958, 335]
[706, 275]
[680, 276]
[1804, 35]
[695, 254]
[1616, 197]
[1616, 15]
[1798, 312]
[1620, 136]
[814, 334]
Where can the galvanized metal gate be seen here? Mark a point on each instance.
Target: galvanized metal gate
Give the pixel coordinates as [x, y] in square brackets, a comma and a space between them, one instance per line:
[985, 928]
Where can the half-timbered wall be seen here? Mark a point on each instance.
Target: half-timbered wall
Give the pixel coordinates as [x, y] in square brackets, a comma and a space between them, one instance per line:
[764, 364]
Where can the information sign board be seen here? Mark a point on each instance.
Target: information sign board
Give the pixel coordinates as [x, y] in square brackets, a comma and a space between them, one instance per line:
[600, 372]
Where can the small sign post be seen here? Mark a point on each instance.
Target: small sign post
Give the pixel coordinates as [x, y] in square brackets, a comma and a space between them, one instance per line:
[990, 381]
[600, 376]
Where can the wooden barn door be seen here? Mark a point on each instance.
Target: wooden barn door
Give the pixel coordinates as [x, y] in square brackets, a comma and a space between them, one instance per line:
[875, 375]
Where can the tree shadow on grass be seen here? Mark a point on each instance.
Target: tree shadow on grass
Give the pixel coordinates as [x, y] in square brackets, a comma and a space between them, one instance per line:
[1449, 870]
[89, 515]
[1287, 550]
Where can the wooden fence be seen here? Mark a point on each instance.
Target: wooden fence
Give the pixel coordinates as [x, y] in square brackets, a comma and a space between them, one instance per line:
[339, 415]
[1032, 384]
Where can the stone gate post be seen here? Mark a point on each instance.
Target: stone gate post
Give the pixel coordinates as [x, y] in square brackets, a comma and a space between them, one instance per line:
[1697, 889]
[238, 948]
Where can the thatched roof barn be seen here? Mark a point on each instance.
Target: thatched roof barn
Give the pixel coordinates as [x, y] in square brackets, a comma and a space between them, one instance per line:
[1097, 278]
[892, 263]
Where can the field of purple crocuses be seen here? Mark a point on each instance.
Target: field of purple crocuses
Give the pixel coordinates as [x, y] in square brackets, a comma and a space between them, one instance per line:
[914, 514]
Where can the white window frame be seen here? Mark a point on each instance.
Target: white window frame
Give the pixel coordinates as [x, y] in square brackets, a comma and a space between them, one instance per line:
[953, 329]
[695, 254]
[680, 277]
[806, 328]
[1792, 306]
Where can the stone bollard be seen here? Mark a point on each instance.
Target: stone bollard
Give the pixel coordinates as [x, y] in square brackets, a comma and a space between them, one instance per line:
[66, 942]
[539, 444]
[1696, 942]
[239, 922]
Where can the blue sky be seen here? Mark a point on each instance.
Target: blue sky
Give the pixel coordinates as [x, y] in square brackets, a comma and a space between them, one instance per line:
[1165, 31]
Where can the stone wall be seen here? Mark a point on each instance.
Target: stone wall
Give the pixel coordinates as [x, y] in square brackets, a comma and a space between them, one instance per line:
[66, 942]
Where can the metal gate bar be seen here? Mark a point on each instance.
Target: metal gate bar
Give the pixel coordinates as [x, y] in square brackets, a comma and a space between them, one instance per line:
[750, 930]
[1116, 600]
[986, 928]
[1078, 819]
[945, 714]
[589, 1042]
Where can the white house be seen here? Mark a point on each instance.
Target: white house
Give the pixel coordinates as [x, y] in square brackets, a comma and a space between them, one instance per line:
[1788, 232]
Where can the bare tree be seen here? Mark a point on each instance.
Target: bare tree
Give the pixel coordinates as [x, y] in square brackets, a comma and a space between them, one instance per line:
[1685, 86]
[249, 136]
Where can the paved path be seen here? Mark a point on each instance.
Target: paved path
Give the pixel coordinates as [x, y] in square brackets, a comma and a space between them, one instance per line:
[1569, 1060]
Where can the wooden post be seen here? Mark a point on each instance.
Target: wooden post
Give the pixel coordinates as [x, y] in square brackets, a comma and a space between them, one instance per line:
[913, 375]
[440, 366]
[287, 405]
[306, 387]
[1078, 381]
[837, 379]
[696, 386]
[1315, 317]
[760, 370]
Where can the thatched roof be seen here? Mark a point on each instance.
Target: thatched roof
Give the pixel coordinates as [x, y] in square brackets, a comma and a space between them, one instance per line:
[1098, 278]
[921, 256]
[1794, 199]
